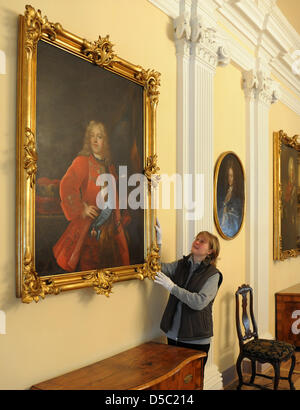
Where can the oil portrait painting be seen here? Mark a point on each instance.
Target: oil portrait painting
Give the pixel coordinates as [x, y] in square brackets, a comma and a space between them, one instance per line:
[229, 201]
[88, 124]
[286, 196]
[86, 140]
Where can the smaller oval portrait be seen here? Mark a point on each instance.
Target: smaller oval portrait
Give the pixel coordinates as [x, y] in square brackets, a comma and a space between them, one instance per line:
[229, 195]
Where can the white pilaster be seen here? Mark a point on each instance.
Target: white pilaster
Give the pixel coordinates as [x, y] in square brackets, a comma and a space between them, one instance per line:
[260, 92]
[182, 42]
[202, 69]
[197, 157]
[250, 84]
[262, 43]
[206, 54]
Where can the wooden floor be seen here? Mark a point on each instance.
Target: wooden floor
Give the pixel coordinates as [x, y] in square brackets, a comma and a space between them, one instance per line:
[283, 384]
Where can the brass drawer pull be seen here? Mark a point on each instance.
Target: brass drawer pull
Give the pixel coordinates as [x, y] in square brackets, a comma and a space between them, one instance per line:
[188, 378]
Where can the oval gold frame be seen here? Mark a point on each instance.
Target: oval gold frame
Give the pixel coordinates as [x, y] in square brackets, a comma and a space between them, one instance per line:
[216, 176]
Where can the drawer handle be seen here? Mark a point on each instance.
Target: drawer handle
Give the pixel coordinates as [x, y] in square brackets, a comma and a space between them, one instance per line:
[188, 378]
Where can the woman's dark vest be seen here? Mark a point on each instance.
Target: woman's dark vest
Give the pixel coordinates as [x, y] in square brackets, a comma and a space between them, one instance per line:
[194, 324]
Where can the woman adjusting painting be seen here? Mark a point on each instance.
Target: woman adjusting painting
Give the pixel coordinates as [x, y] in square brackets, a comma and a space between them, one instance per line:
[94, 238]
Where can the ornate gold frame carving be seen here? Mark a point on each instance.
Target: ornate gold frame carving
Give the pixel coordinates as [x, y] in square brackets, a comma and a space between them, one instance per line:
[281, 139]
[33, 27]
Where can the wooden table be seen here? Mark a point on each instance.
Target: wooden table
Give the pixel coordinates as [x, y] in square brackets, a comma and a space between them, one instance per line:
[288, 315]
[150, 366]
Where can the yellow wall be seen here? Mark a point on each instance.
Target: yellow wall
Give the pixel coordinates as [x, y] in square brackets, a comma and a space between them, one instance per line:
[73, 329]
[283, 274]
[229, 134]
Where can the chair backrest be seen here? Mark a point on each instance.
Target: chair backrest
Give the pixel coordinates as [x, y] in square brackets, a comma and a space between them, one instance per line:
[245, 293]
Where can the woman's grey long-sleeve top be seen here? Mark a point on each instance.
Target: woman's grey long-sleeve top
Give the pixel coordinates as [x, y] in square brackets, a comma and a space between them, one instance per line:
[194, 300]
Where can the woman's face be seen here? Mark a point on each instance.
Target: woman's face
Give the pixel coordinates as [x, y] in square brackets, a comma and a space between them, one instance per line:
[230, 176]
[201, 247]
[96, 140]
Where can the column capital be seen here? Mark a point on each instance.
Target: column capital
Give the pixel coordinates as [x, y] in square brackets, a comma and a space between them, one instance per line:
[194, 35]
[207, 46]
[268, 89]
[249, 83]
[182, 27]
[182, 34]
[258, 85]
[183, 48]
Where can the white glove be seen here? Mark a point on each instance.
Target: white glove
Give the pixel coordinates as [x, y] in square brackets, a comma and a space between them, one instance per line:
[158, 232]
[164, 281]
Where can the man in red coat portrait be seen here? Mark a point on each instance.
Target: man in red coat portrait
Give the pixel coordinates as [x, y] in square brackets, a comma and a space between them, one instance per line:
[94, 238]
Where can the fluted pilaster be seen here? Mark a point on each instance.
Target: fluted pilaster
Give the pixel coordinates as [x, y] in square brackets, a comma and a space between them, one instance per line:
[199, 52]
[260, 92]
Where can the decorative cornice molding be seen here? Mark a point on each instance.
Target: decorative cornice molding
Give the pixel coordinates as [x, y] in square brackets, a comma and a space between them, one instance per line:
[249, 83]
[182, 27]
[268, 89]
[257, 84]
[260, 25]
[202, 41]
[289, 100]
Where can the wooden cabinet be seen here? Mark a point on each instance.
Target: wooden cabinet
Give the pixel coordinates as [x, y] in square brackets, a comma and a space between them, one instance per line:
[288, 315]
[150, 366]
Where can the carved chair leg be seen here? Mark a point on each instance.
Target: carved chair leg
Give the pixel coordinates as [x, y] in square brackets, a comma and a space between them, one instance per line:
[276, 366]
[239, 371]
[293, 362]
[253, 369]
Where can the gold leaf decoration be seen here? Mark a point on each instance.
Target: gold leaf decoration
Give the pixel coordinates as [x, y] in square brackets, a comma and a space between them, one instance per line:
[30, 156]
[152, 265]
[36, 24]
[100, 52]
[151, 81]
[290, 253]
[293, 142]
[33, 287]
[141, 270]
[102, 281]
[151, 167]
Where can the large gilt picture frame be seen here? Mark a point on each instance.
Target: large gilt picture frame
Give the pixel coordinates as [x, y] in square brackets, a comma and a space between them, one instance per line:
[286, 192]
[83, 113]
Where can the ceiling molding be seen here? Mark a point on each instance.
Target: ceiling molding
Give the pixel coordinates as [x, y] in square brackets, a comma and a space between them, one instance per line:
[261, 26]
[287, 98]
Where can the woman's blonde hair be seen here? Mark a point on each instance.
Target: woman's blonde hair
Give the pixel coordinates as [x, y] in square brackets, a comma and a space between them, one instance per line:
[86, 149]
[214, 245]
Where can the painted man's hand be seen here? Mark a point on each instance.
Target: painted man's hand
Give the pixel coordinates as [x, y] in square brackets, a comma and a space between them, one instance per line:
[90, 210]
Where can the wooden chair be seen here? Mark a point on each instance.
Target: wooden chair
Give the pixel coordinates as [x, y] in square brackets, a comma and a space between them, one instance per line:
[259, 350]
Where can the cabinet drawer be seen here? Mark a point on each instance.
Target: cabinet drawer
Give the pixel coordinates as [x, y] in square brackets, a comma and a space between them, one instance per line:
[190, 377]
